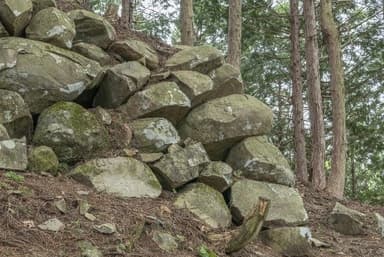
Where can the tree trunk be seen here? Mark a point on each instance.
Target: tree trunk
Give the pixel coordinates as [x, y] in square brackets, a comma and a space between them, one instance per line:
[353, 172]
[126, 13]
[234, 33]
[186, 20]
[315, 101]
[336, 179]
[297, 95]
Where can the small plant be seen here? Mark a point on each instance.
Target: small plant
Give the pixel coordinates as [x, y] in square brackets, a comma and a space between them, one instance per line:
[205, 252]
[11, 175]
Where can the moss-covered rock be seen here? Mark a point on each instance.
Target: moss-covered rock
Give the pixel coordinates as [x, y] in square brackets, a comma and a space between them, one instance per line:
[56, 74]
[153, 135]
[43, 159]
[346, 221]
[226, 80]
[71, 131]
[217, 175]
[14, 115]
[52, 26]
[120, 82]
[94, 52]
[180, 165]
[3, 133]
[258, 159]
[39, 5]
[92, 28]
[222, 122]
[13, 153]
[3, 31]
[15, 15]
[199, 58]
[206, 203]
[287, 207]
[288, 241]
[135, 50]
[121, 176]
[197, 86]
[163, 99]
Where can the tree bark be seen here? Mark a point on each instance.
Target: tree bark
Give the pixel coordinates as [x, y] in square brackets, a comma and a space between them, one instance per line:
[126, 13]
[297, 95]
[336, 179]
[315, 100]
[186, 20]
[234, 33]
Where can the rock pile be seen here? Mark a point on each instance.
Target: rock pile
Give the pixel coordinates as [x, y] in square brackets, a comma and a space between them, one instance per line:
[193, 124]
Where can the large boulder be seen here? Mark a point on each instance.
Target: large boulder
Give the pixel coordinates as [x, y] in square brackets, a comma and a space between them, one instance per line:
[380, 224]
[43, 159]
[56, 74]
[3, 133]
[121, 176]
[71, 131]
[222, 122]
[197, 86]
[226, 80]
[39, 5]
[206, 203]
[14, 115]
[288, 241]
[93, 52]
[217, 175]
[13, 153]
[181, 165]
[3, 31]
[286, 208]
[135, 50]
[92, 28]
[199, 58]
[153, 135]
[346, 221]
[258, 159]
[15, 15]
[120, 82]
[52, 26]
[164, 99]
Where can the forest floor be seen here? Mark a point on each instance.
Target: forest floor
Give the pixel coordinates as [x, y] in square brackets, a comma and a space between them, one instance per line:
[26, 204]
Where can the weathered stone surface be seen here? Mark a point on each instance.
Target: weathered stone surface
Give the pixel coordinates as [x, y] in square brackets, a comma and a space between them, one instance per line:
[106, 228]
[121, 176]
[163, 99]
[14, 115]
[380, 224]
[92, 28]
[217, 175]
[93, 52]
[120, 82]
[222, 122]
[288, 241]
[149, 157]
[52, 26]
[346, 221]
[58, 75]
[165, 241]
[181, 165]
[39, 5]
[89, 250]
[13, 153]
[71, 131]
[197, 86]
[54, 225]
[199, 58]
[3, 31]
[226, 80]
[135, 50]
[153, 134]
[3, 133]
[102, 115]
[15, 15]
[43, 159]
[206, 203]
[258, 159]
[286, 208]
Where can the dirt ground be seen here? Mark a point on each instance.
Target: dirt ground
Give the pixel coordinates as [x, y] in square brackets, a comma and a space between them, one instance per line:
[25, 205]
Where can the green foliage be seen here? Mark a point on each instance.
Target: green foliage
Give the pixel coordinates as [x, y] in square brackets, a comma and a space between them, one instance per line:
[11, 175]
[205, 252]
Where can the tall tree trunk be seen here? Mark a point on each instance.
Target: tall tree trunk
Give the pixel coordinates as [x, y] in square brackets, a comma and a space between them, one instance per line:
[336, 179]
[297, 95]
[126, 13]
[353, 173]
[234, 33]
[186, 20]
[315, 101]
